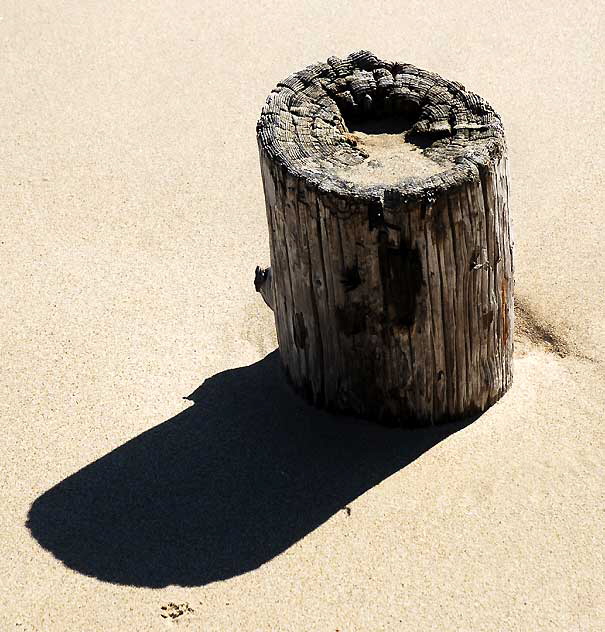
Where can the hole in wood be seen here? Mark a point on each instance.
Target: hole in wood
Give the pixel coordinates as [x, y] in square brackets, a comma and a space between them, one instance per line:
[401, 274]
[391, 148]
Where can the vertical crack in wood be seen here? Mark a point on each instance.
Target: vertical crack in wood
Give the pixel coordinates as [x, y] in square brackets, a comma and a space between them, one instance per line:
[431, 368]
[446, 316]
[458, 333]
[327, 302]
[481, 369]
[302, 326]
[334, 339]
[499, 304]
[289, 298]
[313, 289]
[439, 394]
[462, 258]
[415, 289]
[488, 211]
[475, 296]
[300, 330]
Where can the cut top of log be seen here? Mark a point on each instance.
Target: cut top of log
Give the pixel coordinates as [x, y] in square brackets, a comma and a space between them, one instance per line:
[427, 134]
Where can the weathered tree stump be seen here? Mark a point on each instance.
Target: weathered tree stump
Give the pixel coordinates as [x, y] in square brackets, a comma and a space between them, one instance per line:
[391, 274]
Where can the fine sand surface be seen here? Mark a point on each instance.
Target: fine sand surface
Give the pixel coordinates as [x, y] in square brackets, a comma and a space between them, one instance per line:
[389, 157]
[131, 220]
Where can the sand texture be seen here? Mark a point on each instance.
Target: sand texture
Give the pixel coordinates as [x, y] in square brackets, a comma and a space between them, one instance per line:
[156, 469]
[389, 159]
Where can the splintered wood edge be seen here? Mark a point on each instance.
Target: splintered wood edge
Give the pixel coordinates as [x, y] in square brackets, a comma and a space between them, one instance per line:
[302, 126]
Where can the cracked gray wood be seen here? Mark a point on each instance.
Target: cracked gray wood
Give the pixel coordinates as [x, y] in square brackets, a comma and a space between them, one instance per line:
[391, 276]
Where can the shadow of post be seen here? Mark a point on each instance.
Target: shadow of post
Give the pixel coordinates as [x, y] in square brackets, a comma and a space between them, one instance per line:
[220, 488]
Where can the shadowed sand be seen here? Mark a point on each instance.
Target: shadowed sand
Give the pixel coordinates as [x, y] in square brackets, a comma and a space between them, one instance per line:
[221, 488]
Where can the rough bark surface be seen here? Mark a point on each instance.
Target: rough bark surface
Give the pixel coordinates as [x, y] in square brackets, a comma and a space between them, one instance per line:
[394, 303]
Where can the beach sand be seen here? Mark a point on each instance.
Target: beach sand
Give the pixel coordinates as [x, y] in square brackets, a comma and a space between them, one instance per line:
[131, 220]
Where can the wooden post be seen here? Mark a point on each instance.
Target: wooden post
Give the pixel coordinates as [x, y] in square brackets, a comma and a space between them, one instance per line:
[391, 275]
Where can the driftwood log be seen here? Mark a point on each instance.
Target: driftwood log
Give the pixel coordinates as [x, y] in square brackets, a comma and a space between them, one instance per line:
[391, 275]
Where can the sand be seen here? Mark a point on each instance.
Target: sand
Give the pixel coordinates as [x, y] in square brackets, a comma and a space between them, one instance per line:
[131, 221]
[389, 158]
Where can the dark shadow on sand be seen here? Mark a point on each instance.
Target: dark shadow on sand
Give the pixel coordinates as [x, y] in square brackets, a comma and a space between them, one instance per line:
[220, 488]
